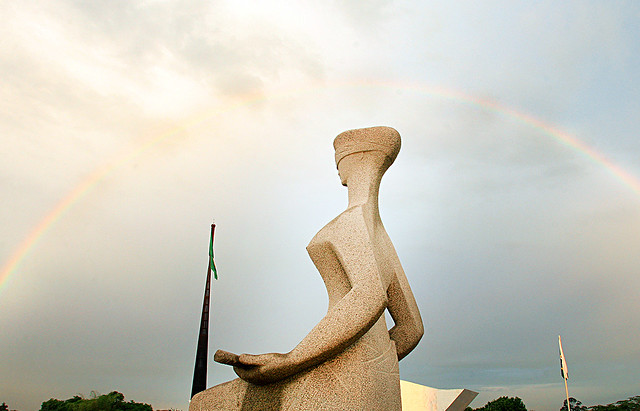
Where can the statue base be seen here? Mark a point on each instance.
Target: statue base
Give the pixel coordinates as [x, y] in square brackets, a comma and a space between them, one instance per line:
[416, 397]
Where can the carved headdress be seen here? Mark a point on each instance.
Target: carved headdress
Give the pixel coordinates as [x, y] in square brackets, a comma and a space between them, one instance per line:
[383, 139]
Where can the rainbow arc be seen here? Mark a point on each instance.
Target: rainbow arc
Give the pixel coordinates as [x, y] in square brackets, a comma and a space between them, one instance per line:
[31, 240]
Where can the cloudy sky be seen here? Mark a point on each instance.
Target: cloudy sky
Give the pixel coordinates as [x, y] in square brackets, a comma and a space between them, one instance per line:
[127, 127]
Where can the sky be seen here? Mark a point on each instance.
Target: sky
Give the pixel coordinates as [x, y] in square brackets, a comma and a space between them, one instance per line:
[128, 127]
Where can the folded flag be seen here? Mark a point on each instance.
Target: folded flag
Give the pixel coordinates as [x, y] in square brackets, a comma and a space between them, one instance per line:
[212, 264]
[564, 370]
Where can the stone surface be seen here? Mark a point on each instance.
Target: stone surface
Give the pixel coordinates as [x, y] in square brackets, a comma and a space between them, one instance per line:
[349, 360]
[416, 397]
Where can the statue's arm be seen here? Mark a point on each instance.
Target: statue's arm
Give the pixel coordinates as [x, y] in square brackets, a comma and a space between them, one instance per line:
[344, 323]
[402, 306]
[357, 311]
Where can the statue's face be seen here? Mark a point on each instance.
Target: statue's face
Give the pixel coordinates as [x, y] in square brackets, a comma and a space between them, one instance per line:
[343, 178]
[345, 167]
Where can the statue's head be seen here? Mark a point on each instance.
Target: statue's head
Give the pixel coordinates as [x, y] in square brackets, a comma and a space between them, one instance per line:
[385, 140]
[378, 143]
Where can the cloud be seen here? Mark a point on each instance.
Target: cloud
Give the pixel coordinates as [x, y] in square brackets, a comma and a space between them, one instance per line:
[227, 111]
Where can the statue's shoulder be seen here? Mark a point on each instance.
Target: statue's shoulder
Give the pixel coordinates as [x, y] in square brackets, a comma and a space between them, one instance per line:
[349, 223]
[351, 218]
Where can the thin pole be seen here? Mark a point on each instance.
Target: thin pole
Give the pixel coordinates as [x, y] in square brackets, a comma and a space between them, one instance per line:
[200, 369]
[564, 371]
[566, 389]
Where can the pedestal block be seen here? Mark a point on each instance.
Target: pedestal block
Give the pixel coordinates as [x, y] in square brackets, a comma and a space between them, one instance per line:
[416, 397]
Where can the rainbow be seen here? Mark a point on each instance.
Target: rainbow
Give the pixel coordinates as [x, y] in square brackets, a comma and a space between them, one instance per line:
[85, 186]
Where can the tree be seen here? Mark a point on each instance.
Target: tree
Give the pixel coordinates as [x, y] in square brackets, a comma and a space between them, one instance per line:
[575, 405]
[503, 404]
[630, 404]
[4, 407]
[54, 405]
[114, 401]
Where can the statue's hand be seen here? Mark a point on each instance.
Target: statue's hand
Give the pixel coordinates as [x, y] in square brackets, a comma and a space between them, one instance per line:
[265, 368]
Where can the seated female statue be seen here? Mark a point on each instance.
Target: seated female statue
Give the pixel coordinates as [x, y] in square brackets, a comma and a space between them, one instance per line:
[349, 360]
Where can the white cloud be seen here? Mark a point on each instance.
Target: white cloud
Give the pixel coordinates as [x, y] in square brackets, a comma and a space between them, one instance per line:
[507, 237]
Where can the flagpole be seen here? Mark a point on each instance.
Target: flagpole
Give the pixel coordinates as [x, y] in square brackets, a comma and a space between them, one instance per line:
[564, 371]
[200, 369]
[566, 389]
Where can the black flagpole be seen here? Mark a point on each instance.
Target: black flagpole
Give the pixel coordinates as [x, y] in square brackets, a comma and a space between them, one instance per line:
[200, 370]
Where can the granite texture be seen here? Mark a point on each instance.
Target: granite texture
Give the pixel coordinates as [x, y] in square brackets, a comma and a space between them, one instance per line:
[349, 360]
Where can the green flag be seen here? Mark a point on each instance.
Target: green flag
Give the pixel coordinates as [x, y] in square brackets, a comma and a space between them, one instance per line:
[212, 264]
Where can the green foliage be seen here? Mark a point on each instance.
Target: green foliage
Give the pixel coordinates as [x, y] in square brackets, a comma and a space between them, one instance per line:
[4, 407]
[54, 405]
[516, 404]
[575, 405]
[630, 404]
[502, 404]
[114, 401]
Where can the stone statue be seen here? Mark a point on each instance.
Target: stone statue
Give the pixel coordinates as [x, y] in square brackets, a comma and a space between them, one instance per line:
[349, 360]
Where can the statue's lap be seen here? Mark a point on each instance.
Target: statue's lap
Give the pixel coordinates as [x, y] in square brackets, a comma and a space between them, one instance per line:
[360, 378]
